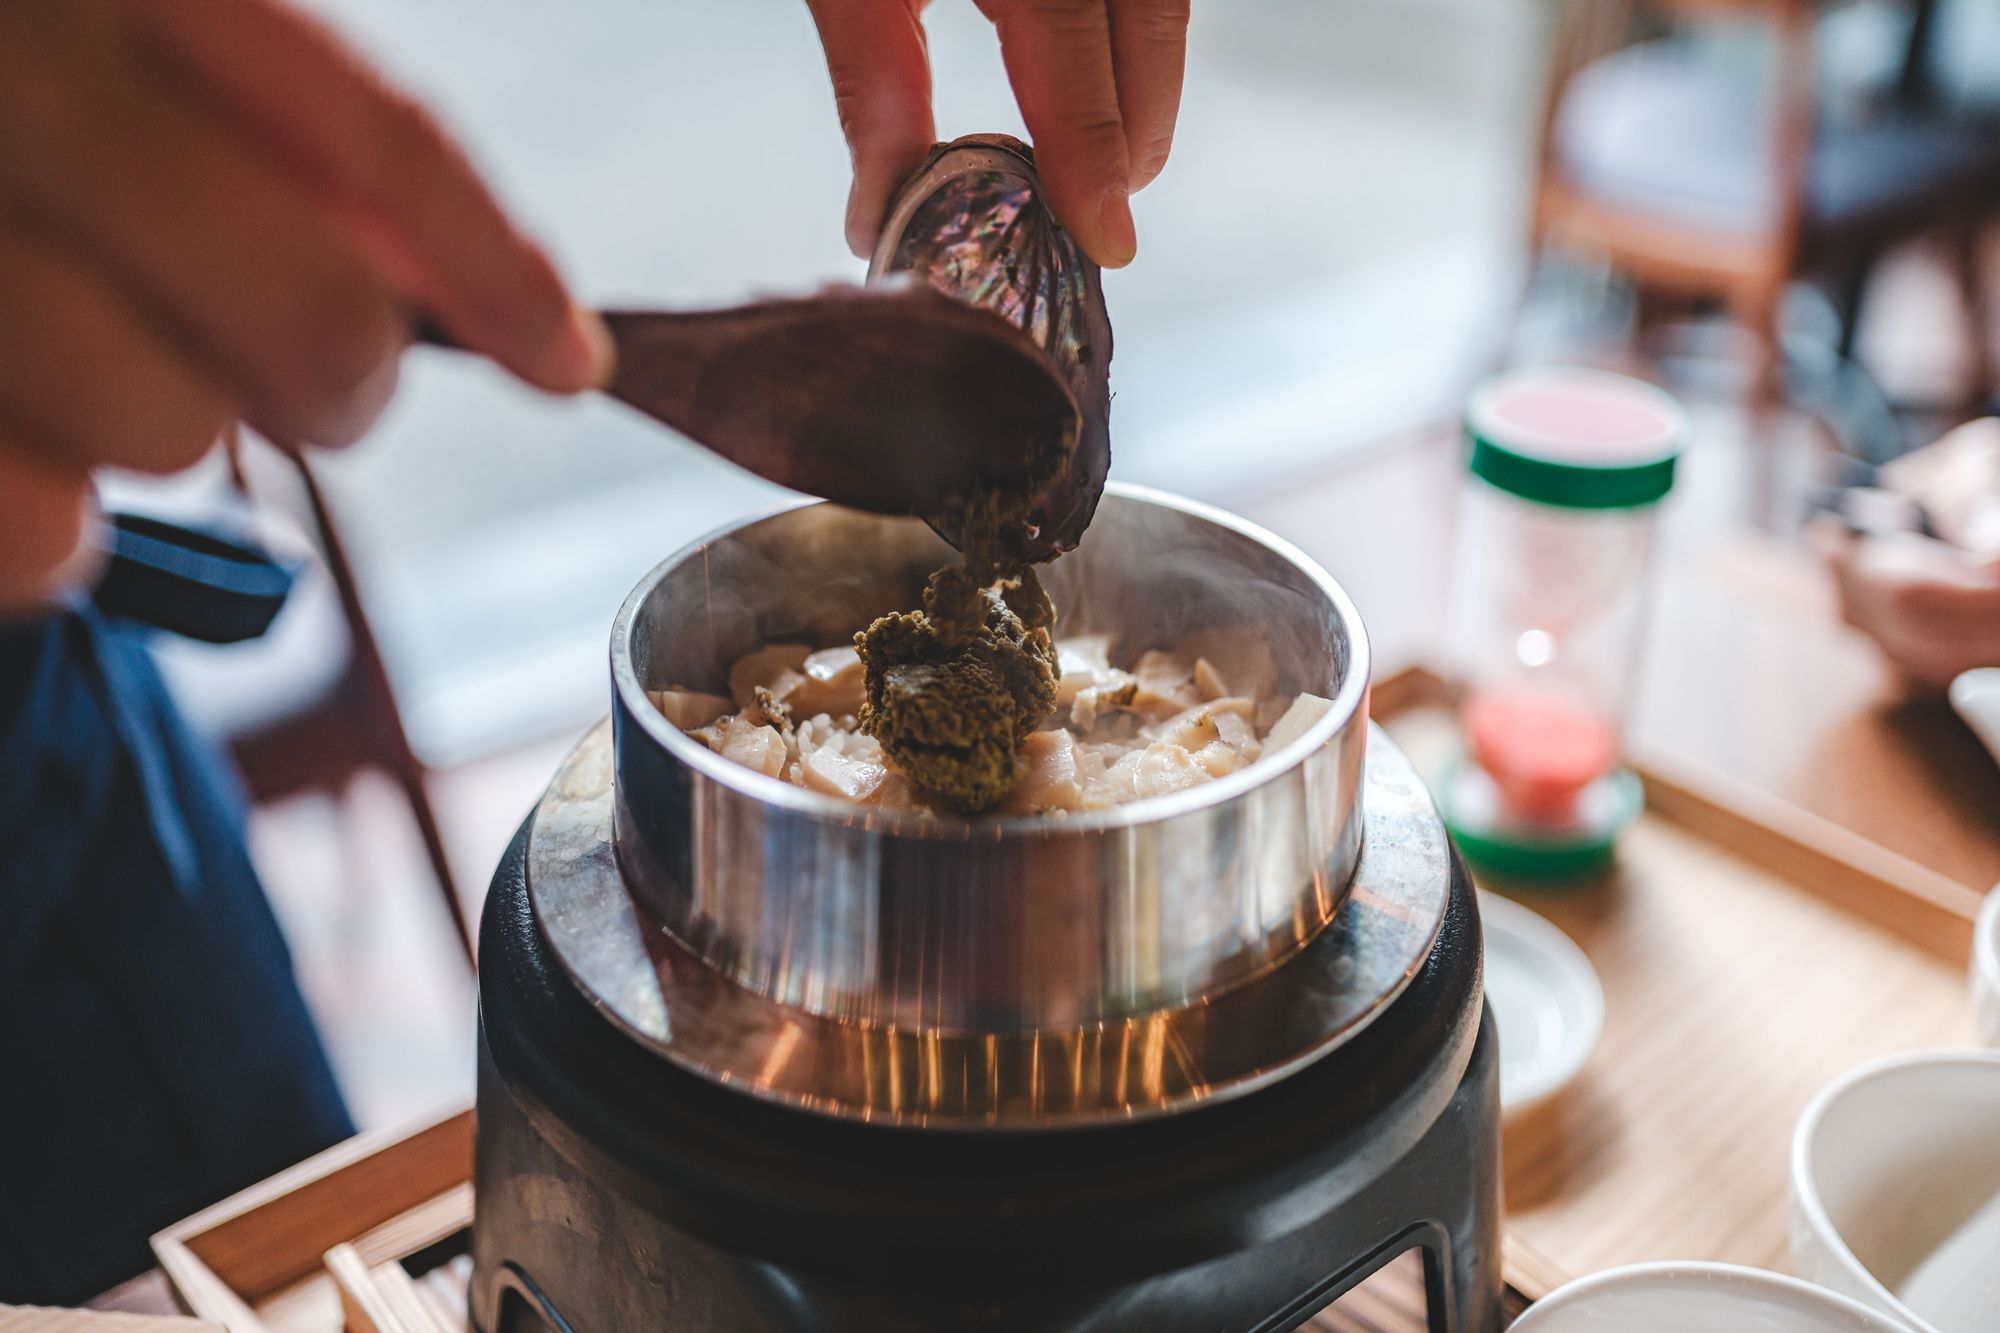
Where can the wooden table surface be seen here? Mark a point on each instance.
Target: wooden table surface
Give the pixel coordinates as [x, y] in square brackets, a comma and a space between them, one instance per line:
[1747, 671]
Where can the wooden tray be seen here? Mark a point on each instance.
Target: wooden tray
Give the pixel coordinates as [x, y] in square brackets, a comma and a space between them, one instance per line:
[1749, 953]
[256, 1262]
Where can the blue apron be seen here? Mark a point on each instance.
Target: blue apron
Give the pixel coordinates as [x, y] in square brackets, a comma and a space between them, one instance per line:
[155, 1052]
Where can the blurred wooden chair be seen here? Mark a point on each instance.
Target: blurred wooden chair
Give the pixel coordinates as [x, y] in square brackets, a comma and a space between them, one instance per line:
[1702, 178]
[346, 723]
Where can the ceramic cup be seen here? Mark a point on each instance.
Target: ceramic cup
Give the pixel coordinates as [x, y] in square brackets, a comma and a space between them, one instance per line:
[1698, 1298]
[1896, 1189]
[1986, 969]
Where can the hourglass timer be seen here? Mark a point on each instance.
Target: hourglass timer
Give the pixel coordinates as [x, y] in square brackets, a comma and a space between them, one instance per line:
[1566, 470]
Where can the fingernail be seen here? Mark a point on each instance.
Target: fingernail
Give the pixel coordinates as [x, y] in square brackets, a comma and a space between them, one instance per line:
[584, 357]
[1116, 237]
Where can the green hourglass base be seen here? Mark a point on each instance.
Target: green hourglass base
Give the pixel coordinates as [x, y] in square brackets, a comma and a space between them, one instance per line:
[1552, 853]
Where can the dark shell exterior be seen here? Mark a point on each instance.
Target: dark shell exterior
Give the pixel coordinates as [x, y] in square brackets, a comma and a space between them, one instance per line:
[972, 222]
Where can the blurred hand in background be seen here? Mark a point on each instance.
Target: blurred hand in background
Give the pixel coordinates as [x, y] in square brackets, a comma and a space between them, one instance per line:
[1932, 602]
[213, 212]
[1098, 82]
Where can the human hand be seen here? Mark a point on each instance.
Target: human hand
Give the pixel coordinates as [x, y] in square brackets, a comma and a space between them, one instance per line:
[215, 212]
[1098, 82]
[1934, 609]
[1955, 481]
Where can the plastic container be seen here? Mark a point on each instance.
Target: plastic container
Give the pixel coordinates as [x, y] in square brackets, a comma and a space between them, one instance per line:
[1565, 473]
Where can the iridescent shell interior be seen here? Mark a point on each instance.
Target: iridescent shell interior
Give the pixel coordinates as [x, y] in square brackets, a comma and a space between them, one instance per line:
[973, 224]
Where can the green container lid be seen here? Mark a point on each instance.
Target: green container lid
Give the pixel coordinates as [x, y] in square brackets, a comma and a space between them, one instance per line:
[1575, 438]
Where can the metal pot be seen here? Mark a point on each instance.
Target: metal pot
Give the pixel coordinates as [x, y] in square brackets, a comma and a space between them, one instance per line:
[993, 924]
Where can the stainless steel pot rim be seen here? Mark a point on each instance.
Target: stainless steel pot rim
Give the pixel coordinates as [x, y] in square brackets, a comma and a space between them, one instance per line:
[1213, 1048]
[1348, 702]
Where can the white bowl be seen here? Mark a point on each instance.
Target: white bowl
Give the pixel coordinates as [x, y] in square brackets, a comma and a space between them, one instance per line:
[1976, 696]
[1546, 1000]
[1986, 969]
[1896, 1189]
[1698, 1298]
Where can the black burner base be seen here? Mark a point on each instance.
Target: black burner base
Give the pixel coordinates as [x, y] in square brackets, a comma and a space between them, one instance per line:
[617, 1192]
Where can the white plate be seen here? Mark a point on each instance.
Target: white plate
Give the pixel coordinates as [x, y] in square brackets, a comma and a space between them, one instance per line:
[1698, 1298]
[1545, 997]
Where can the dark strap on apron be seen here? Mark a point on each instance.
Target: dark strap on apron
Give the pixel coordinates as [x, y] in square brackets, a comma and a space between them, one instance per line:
[194, 583]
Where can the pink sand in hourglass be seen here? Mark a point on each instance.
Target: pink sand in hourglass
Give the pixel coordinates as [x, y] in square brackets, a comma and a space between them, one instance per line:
[1541, 747]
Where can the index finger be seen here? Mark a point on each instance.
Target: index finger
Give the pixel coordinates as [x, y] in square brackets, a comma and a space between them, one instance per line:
[412, 199]
[1149, 51]
[879, 62]
[1059, 59]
